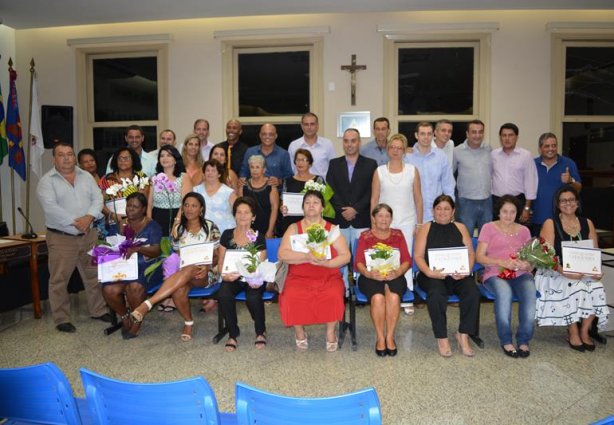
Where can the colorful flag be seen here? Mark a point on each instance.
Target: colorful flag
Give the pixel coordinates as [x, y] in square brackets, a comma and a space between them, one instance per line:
[37, 147]
[17, 159]
[4, 148]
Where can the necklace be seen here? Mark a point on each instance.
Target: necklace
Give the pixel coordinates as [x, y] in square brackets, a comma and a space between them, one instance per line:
[397, 182]
[571, 228]
[510, 231]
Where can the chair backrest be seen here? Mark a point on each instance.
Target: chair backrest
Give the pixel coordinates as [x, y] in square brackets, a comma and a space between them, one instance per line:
[37, 394]
[255, 406]
[272, 246]
[189, 401]
[476, 266]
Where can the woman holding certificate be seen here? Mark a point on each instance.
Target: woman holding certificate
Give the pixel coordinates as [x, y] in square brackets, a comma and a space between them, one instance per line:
[568, 298]
[505, 275]
[234, 245]
[443, 252]
[135, 226]
[382, 258]
[293, 186]
[196, 239]
[314, 250]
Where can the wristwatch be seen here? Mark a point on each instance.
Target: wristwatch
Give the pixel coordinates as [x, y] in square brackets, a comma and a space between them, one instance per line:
[572, 180]
[527, 208]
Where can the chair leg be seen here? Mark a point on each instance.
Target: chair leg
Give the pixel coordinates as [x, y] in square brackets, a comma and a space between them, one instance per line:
[222, 330]
[476, 338]
[352, 324]
[343, 328]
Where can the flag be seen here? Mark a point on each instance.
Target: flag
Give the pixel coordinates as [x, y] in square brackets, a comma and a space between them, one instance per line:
[17, 159]
[4, 148]
[37, 147]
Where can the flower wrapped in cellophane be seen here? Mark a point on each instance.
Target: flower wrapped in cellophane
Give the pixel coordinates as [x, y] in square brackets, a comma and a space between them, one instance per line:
[319, 240]
[255, 272]
[540, 254]
[114, 247]
[383, 259]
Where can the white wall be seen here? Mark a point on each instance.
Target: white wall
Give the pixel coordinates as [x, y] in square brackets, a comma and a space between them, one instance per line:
[520, 80]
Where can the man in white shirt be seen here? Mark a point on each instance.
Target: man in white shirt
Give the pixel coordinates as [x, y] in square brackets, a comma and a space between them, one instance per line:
[321, 148]
[134, 138]
[201, 129]
[442, 139]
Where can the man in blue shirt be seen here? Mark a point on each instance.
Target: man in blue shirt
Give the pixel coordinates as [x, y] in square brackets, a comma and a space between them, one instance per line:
[553, 172]
[278, 166]
[376, 149]
[435, 172]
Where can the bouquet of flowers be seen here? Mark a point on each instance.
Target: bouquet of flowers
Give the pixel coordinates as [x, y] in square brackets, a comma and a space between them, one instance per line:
[318, 240]
[537, 252]
[383, 258]
[119, 191]
[326, 191]
[162, 184]
[255, 272]
[114, 247]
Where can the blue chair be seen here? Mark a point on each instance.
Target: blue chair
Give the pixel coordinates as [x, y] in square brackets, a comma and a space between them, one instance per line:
[358, 297]
[272, 247]
[39, 394]
[605, 421]
[255, 406]
[179, 402]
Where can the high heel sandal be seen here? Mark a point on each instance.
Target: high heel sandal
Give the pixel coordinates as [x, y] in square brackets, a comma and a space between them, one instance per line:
[331, 347]
[302, 344]
[443, 352]
[467, 351]
[187, 337]
[137, 316]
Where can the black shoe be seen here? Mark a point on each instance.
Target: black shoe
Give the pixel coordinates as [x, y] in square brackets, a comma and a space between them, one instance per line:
[391, 351]
[588, 347]
[511, 353]
[523, 354]
[66, 327]
[381, 353]
[579, 348]
[107, 317]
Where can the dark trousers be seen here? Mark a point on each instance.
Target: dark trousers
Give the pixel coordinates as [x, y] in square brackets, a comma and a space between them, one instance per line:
[437, 292]
[228, 306]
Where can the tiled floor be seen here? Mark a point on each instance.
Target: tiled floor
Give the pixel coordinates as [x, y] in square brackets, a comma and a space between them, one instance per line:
[554, 386]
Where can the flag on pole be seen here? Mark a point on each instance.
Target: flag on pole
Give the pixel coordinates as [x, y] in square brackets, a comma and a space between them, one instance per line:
[37, 147]
[17, 159]
[4, 148]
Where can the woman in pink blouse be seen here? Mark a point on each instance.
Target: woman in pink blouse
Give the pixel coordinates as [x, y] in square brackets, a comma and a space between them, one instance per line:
[505, 275]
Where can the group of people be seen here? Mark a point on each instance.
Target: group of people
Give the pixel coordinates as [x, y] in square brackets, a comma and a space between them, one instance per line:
[383, 192]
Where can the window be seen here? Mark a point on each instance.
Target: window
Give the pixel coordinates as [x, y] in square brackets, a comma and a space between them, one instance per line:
[433, 79]
[583, 105]
[121, 88]
[273, 81]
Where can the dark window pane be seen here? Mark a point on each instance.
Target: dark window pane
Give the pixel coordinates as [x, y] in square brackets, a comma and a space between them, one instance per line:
[436, 81]
[408, 128]
[108, 139]
[591, 145]
[273, 83]
[286, 133]
[125, 89]
[589, 82]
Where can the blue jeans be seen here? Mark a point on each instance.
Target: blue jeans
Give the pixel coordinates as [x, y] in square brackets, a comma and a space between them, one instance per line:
[523, 287]
[474, 213]
[351, 235]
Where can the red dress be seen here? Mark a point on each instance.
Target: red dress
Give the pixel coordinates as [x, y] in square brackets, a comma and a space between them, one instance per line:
[312, 294]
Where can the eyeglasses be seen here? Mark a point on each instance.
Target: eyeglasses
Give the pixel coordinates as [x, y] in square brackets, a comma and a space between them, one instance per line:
[568, 201]
[396, 148]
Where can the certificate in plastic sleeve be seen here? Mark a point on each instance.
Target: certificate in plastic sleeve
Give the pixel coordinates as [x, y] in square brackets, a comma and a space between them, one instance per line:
[581, 260]
[119, 269]
[231, 258]
[451, 260]
[294, 203]
[117, 206]
[197, 254]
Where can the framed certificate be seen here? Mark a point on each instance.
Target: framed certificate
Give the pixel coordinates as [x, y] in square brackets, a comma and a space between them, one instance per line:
[581, 260]
[294, 203]
[119, 269]
[451, 260]
[117, 206]
[394, 262]
[197, 254]
[231, 258]
[298, 243]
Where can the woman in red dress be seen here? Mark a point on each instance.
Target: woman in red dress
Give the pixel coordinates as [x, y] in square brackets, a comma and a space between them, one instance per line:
[313, 291]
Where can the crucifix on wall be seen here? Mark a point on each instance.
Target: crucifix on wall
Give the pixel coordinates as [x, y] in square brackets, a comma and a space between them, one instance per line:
[352, 69]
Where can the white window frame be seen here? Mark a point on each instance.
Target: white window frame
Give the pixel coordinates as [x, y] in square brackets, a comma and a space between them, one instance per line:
[230, 76]
[85, 84]
[481, 76]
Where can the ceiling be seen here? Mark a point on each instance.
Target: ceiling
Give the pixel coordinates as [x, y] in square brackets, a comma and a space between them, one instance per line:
[24, 14]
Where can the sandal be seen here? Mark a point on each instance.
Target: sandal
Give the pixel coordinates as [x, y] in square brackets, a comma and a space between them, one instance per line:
[184, 336]
[169, 309]
[260, 343]
[331, 347]
[445, 352]
[230, 346]
[302, 344]
[137, 316]
[467, 351]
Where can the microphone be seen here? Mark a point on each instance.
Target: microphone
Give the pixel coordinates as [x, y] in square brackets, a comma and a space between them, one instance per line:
[30, 235]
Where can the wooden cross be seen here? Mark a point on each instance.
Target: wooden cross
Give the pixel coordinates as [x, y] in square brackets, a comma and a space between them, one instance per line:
[352, 69]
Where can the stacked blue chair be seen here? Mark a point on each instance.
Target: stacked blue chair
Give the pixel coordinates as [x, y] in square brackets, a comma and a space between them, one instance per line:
[189, 401]
[255, 406]
[39, 394]
[272, 246]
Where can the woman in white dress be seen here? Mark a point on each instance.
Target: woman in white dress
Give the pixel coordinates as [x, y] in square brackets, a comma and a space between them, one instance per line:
[570, 299]
[398, 185]
[218, 196]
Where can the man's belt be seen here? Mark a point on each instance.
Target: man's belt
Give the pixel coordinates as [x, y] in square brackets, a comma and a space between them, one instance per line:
[49, 229]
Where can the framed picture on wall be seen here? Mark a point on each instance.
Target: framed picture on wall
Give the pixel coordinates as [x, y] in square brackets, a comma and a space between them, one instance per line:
[361, 121]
